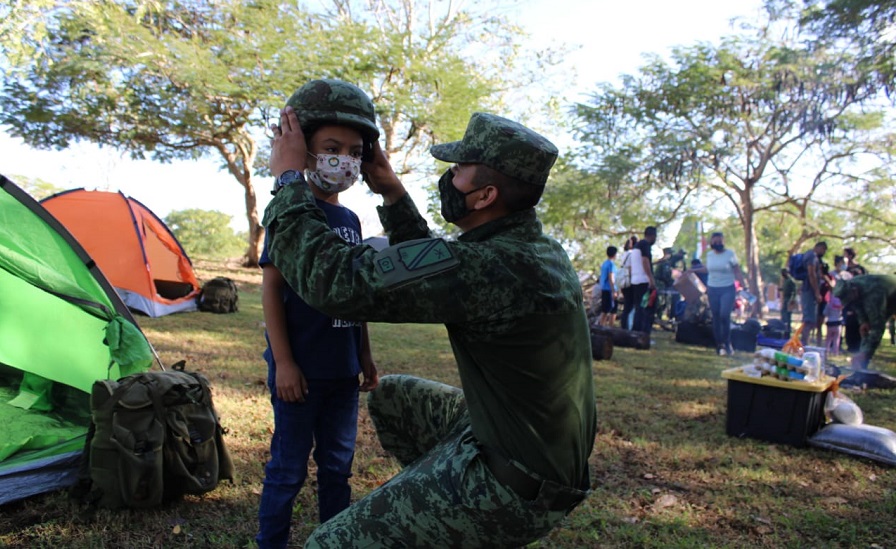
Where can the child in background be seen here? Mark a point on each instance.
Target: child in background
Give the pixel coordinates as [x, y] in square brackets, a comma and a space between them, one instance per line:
[608, 289]
[833, 313]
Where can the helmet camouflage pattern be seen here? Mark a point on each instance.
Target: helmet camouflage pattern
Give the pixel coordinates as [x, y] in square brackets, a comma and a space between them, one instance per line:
[331, 101]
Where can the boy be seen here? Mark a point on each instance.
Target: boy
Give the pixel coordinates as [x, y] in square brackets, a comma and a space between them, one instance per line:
[608, 289]
[313, 359]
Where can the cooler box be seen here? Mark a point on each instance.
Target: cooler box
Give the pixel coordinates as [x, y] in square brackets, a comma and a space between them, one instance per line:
[770, 409]
[690, 287]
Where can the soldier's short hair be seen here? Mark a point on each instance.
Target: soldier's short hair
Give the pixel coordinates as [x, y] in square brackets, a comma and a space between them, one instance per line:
[515, 194]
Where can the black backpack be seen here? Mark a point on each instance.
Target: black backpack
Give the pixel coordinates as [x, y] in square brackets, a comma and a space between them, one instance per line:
[219, 295]
[154, 437]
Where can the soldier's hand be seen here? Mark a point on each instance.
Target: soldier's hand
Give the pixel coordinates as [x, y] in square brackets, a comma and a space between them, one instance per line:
[288, 148]
[381, 178]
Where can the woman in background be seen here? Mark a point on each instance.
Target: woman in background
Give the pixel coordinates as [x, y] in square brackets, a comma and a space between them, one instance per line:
[724, 270]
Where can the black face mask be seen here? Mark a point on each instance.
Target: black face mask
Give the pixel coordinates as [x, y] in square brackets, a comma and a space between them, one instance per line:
[718, 247]
[454, 203]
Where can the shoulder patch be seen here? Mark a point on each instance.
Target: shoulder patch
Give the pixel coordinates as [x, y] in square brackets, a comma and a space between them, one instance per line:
[413, 260]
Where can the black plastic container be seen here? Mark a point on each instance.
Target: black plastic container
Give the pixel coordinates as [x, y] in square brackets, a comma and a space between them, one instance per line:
[787, 414]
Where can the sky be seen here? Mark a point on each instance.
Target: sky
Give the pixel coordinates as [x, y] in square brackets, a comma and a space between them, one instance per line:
[609, 38]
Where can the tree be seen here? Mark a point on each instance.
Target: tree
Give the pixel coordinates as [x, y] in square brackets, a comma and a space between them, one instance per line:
[866, 26]
[173, 81]
[22, 30]
[744, 122]
[185, 79]
[204, 233]
[36, 187]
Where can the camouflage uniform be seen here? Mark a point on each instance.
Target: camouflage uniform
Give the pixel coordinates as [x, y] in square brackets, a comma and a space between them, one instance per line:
[873, 298]
[503, 461]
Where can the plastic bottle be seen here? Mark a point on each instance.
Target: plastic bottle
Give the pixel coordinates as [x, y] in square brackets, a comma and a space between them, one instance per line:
[812, 361]
[767, 354]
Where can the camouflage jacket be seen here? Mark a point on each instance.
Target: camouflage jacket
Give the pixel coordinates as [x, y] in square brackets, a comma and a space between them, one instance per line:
[877, 299]
[508, 295]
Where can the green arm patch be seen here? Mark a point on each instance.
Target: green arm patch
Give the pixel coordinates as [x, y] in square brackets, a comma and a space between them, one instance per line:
[413, 260]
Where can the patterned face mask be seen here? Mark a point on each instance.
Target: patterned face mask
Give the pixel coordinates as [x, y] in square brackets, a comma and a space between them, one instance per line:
[334, 172]
[454, 201]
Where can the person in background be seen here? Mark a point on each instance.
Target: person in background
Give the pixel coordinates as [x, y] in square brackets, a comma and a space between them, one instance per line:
[833, 314]
[851, 336]
[628, 296]
[643, 282]
[724, 270]
[608, 289]
[789, 304]
[825, 290]
[810, 291]
[873, 298]
[701, 274]
[314, 359]
[664, 277]
[853, 266]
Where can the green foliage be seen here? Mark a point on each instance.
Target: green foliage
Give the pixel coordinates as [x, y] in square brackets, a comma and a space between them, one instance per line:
[863, 25]
[185, 79]
[758, 123]
[205, 233]
[22, 28]
[36, 187]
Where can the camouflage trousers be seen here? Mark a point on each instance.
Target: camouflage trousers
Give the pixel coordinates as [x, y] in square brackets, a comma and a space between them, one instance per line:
[445, 496]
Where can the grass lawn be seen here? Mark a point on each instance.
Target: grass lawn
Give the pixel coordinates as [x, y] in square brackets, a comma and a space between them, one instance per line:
[664, 472]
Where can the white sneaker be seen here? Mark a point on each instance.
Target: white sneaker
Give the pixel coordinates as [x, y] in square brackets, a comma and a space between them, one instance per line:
[722, 352]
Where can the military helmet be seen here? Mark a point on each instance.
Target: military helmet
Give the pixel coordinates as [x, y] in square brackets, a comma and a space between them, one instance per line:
[331, 101]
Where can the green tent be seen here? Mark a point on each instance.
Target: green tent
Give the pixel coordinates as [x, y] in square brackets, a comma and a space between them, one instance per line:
[62, 327]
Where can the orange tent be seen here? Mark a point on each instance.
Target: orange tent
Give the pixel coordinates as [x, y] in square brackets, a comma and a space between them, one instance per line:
[133, 248]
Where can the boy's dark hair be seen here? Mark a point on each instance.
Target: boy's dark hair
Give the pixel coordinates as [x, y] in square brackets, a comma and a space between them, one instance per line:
[611, 251]
[849, 252]
[822, 244]
[650, 231]
[785, 273]
[517, 195]
[717, 233]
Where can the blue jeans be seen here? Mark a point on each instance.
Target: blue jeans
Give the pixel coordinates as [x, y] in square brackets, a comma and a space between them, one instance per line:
[721, 303]
[326, 421]
[643, 321]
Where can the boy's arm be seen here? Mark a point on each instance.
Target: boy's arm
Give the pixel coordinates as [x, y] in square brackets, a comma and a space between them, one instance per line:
[368, 366]
[290, 384]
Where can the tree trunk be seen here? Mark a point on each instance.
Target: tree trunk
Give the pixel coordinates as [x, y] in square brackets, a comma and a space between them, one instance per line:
[256, 231]
[623, 338]
[751, 252]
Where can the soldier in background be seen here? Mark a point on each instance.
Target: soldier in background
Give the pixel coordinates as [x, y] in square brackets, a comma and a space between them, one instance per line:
[873, 299]
[501, 462]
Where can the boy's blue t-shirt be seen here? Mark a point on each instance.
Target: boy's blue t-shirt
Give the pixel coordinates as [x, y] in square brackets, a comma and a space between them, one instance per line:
[323, 347]
[606, 268]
